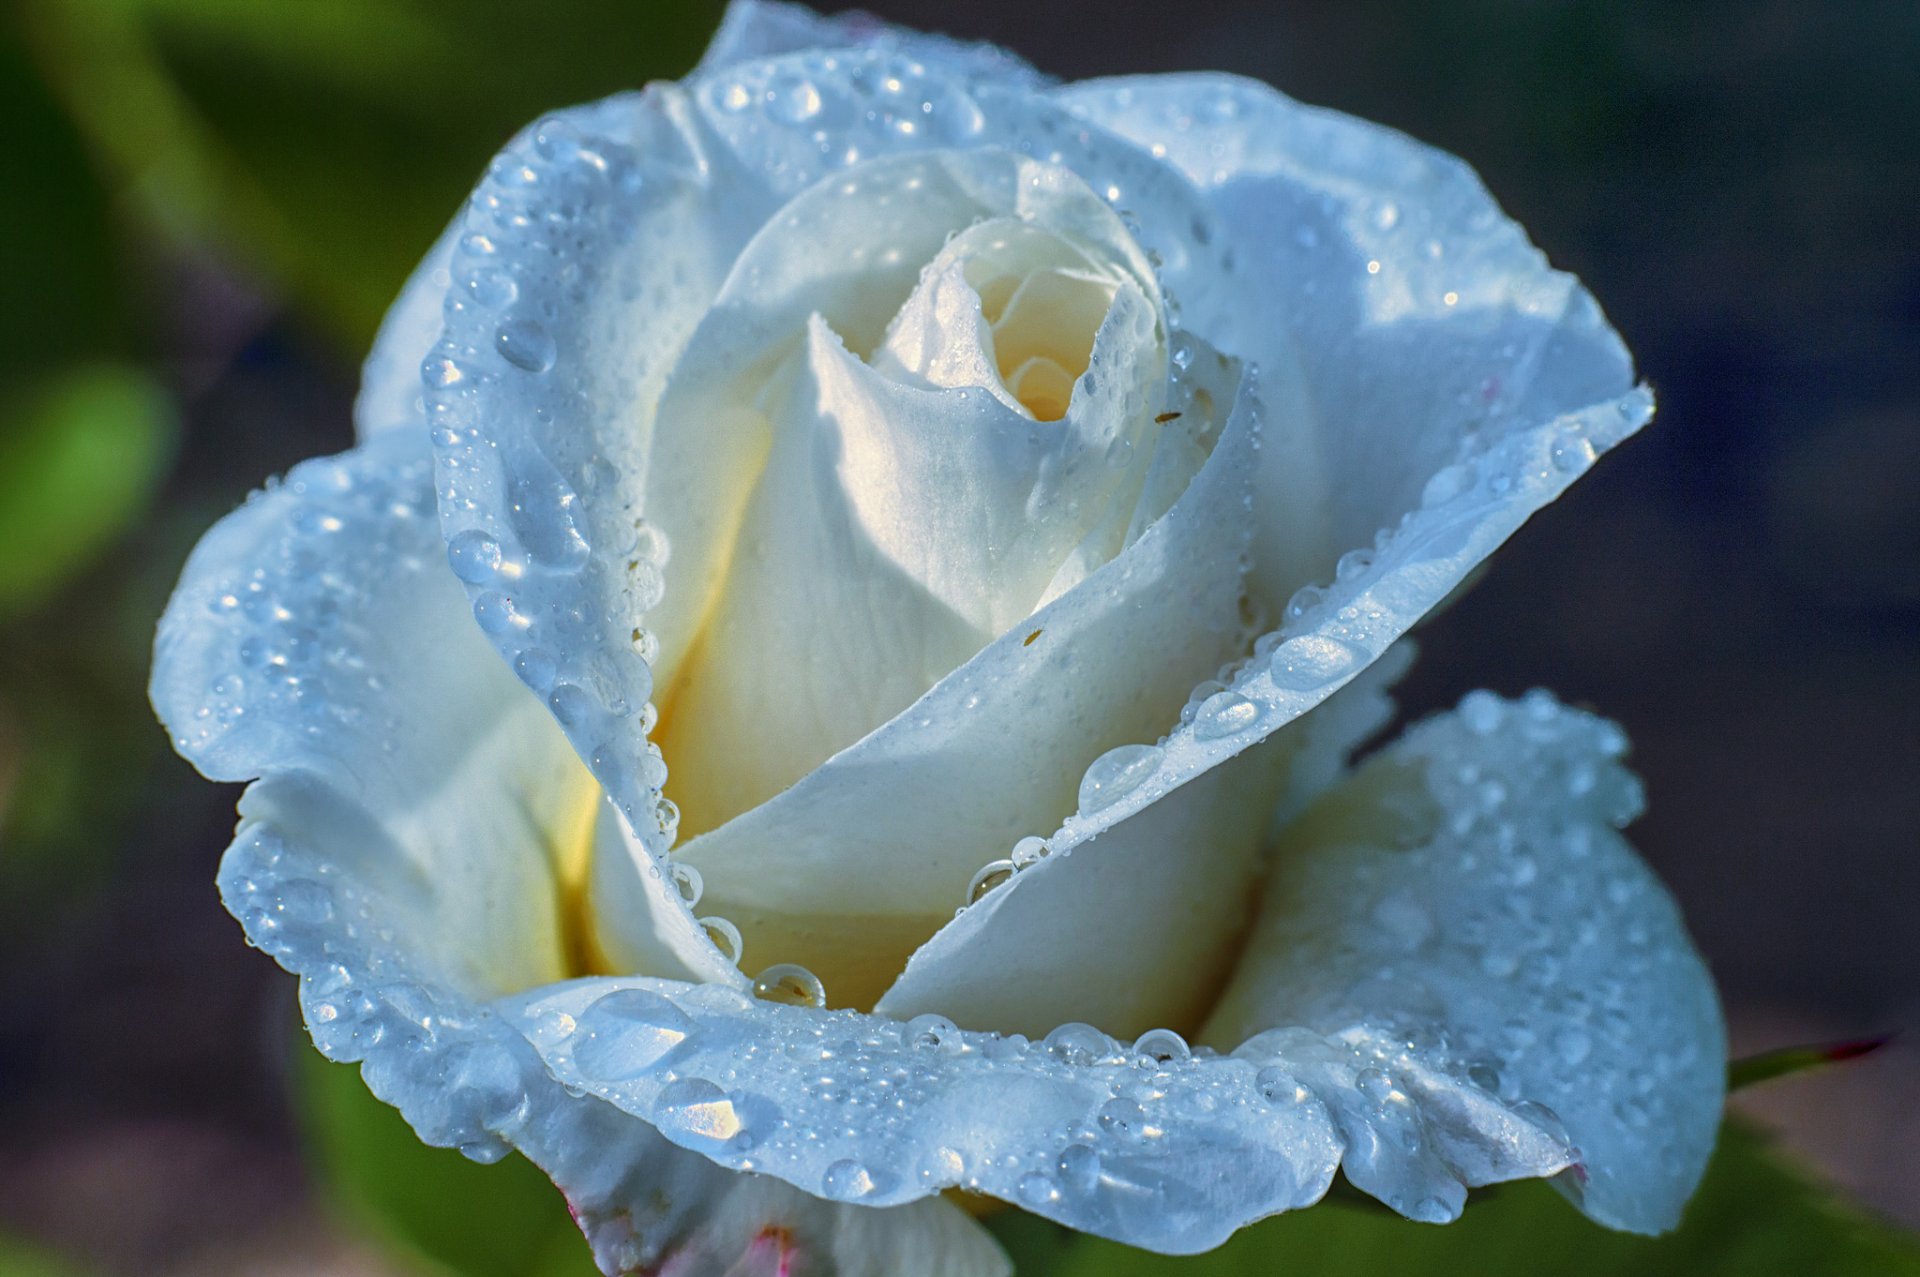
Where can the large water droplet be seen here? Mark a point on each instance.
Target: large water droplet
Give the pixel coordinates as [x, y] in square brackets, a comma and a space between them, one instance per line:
[1075, 1043]
[725, 936]
[1116, 773]
[628, 1034]
[1162, 1045]
[791, 985]
[932, 1033]
[849, 1181]
[526, 345]
[1311, 661]
[1224, 714]
[993, 874]
[474, 556]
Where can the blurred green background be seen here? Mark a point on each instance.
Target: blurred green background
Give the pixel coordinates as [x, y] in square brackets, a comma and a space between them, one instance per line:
[208, 204]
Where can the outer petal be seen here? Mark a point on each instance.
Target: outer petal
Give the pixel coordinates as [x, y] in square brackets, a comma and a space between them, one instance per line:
[1403, 324]
[1464, 906]
[410, 850]
[755, 29]
[1456, 934]
[1172, 881]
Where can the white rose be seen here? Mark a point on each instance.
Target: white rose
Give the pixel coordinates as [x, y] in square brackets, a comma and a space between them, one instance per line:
[874, 483]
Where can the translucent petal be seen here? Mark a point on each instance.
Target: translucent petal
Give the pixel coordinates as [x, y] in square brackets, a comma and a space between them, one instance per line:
[755, 29]
[318, 642]
[465, 1078]
[1464, 906]
[412, 848]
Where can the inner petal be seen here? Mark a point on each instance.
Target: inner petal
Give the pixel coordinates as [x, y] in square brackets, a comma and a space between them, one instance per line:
[1044, 337]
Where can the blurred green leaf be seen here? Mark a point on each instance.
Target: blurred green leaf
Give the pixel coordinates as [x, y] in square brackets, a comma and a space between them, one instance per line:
[78, 460]
[328, 144]
[1753, 1217]
[17, 1259]
[504, 1220]
[1768, 1065]
[61, 295]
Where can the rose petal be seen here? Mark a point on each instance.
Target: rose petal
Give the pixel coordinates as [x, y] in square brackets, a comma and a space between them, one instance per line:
[1135, 929]
[409, 850]
[464, 1078]
[1464, 903]
[894, 532]
[1412, 432]
[1462, 890]
[851, 868]
[378, 721]
[541, 405]
[1403, 325]
[755, 29]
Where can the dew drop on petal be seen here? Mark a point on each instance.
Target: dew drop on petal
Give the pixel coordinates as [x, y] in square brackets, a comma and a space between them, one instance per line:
[992, 874]
[1163, 1045]
[725, 936]
[1029, 852]
[1311, 661]
[526, 345]
[790, 984]
[932, 1033]
[1075, 1043]
[1117, 773]
[688, 882]
[1224, 714]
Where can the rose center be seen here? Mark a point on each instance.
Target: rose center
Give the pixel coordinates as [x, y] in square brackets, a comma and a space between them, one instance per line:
[1043, 327]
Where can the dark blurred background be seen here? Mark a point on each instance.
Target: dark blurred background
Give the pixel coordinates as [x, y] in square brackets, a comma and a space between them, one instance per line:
[207, 205]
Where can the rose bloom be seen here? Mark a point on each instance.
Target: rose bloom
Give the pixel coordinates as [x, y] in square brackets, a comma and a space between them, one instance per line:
[838, 697]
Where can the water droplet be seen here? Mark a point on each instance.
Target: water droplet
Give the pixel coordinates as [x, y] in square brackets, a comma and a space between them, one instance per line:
[1075, 1043]
[1122, 1117]
[1571, 453]
[1277, 1086]
[1080, 1167]
[628, 1034]
[1029, 852]
[791, 985]
[1117, 773]
[725, 937]
[696, 1106]
[536, 668]
[1573, 1043]
[1224, 714]
[849, 1181]
[1311, 661]
[1375, 1085]
[932, 1033]
[992, 874]
[1163, 1045]
[1036, 1189]
[687, 882]
[474, 556]
[793, 99]
[526, 345]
